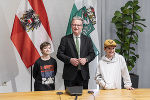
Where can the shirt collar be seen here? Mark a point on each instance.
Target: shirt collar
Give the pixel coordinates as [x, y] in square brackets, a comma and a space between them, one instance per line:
[76, 36]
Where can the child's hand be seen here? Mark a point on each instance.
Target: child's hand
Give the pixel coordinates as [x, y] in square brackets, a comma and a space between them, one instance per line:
[130, 88]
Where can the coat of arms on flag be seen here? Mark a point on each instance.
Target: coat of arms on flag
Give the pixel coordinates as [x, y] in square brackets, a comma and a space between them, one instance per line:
[89, 19]
[30, 20]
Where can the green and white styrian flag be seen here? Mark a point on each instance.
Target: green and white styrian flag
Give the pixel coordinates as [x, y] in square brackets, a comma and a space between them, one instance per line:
[86, 10]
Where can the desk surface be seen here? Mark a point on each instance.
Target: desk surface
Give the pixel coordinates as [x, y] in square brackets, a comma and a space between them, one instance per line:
[119, 94]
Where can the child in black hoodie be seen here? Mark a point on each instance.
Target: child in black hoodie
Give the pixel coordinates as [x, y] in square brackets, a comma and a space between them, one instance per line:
[44, 70]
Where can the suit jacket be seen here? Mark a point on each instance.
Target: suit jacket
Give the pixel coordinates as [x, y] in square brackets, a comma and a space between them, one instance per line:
[67, 50]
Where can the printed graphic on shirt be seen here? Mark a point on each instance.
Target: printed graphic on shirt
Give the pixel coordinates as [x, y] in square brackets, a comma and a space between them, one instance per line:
[47, 73]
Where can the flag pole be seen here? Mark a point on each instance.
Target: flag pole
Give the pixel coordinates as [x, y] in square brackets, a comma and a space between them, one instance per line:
[31, 78]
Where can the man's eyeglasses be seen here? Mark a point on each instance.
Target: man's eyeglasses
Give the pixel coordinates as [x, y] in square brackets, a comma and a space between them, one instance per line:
[78, 25]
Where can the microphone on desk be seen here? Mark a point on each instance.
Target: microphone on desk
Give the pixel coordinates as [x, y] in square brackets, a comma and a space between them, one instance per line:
[59, 93]
[76, 97]
[92, 92]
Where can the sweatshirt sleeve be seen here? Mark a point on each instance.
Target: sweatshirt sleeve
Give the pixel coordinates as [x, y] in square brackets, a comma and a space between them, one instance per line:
[35, 70]
[125, 74]
[55, 68]
[99, 78]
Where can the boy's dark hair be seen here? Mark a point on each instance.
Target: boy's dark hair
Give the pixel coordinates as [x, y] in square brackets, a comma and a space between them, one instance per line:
[44, 44]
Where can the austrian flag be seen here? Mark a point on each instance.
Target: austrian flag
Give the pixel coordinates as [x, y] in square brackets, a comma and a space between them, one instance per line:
[30, 29]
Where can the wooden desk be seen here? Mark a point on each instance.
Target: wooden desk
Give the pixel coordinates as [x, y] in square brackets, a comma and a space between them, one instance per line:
[120, 94]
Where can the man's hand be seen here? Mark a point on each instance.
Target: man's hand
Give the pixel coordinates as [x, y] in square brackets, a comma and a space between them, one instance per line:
[74, 61]
[82, 61]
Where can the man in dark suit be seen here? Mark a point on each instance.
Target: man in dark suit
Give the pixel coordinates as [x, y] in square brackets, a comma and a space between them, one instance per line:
[76, 51]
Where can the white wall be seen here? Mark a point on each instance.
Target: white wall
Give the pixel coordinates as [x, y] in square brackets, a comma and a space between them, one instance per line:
[9, 68]
[143, 65]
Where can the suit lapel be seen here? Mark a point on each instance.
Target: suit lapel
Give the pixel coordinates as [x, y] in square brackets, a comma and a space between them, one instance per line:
[73, 43]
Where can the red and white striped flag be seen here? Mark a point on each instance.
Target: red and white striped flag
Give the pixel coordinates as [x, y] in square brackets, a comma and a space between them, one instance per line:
[30, 29]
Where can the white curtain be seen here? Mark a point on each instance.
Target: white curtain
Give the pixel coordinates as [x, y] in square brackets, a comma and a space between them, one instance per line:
[106, 29]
